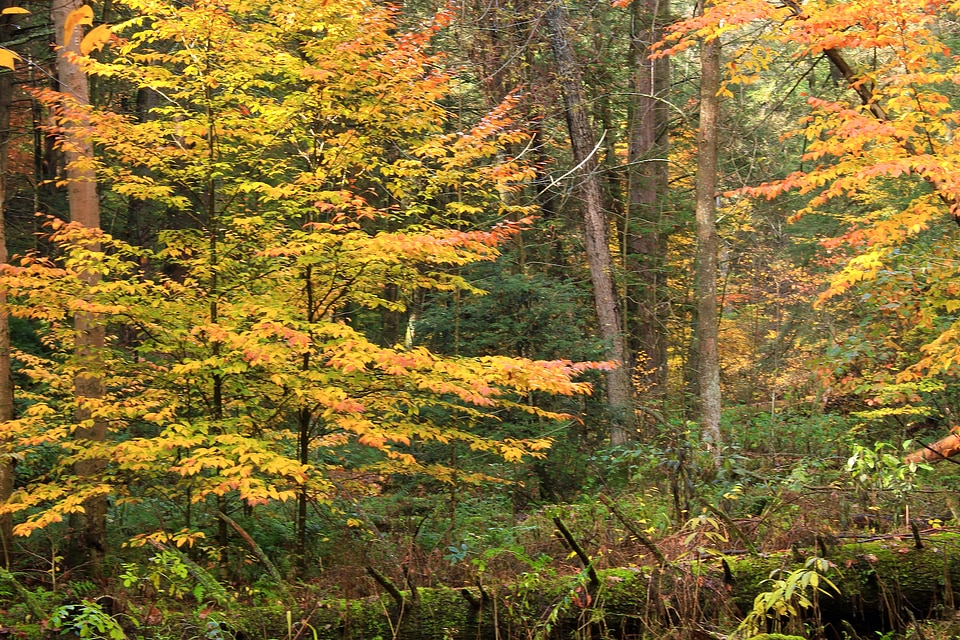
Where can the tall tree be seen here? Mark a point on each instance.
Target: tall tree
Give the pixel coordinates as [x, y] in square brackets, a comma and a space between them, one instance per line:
[595, 226]
[645, 230]
[6, 376]
[88, 538]
[707, 335]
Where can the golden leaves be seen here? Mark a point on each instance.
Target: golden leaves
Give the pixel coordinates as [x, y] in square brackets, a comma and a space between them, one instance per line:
[79, 16]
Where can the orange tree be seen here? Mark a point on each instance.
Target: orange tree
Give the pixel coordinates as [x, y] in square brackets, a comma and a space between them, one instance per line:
[879, 159]
[296, 156]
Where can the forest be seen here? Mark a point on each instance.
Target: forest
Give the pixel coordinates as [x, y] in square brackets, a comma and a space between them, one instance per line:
[479, 320]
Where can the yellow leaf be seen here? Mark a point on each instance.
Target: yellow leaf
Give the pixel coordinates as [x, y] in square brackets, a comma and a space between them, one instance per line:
[7, 58]
[81, 15]
[95, 39]
[14, 11]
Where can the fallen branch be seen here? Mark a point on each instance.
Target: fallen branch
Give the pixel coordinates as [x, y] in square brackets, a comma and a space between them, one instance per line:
[577, 549]
[636, 533]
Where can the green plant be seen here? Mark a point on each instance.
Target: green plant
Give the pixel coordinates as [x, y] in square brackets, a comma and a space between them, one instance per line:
[87, 620]
[173, 574]
[789, 598]
[882, 469]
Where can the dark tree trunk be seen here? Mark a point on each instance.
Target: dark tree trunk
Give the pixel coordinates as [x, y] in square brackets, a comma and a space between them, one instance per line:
[647, 181]
[6, 376]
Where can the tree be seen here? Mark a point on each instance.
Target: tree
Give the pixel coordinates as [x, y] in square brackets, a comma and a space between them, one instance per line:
[707, 335]
[294, 192]
[88, 540]
[883, 149]
[595, 227]
[647, 178]
[6, 373]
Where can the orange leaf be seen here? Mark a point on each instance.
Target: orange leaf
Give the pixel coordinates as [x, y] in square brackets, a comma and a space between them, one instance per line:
[95, 39]
[81, 15]
[7, 58]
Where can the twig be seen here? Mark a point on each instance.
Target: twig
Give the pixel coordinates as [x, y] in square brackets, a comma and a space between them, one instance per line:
[636, 533]
[257, 551]
[737, 531]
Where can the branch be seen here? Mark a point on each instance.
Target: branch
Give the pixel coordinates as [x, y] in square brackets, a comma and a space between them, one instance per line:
[636, 533]
[387, 585]
[577, 549]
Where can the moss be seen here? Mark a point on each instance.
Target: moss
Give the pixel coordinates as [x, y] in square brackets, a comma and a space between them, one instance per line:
[876, 579]
[439, 613]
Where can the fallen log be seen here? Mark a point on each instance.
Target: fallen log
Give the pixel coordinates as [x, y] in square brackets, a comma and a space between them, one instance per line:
[883, 584]
[943, 448]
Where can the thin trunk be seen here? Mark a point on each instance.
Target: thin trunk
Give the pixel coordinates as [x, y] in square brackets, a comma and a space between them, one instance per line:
[304, 422]
[707, 243]
[647, 179]
[390, 318]
[88, 539]
[595, 226]
[6, 377]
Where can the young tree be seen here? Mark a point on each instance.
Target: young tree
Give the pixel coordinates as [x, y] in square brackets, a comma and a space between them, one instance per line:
[295, 191]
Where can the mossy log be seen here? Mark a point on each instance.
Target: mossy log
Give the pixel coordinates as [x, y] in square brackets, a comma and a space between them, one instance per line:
[883, 584]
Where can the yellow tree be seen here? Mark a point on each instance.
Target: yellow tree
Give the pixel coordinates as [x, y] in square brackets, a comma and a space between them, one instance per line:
[299, 152]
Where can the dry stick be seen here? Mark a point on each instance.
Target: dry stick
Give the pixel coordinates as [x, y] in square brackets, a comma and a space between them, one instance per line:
[387, 585]
[584, 558]
[636, 533]
[257, 551]
[469, 597]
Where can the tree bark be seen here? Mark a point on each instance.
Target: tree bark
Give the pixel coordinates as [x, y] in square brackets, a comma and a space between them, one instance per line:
[595, 227]
[647, 182]
[6, 376]
[707, 246]
[942, 449]
[88, 537]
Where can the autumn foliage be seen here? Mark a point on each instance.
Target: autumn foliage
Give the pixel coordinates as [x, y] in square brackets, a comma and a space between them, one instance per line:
[296, 160]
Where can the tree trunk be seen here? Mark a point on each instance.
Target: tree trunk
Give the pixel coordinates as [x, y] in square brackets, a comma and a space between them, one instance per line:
[6, 377]
[942, 449]
[88, 538]
[647, 180]
[595, 227]
[706, 287]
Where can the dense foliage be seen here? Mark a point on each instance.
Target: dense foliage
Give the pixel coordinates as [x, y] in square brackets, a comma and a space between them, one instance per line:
[340, 321]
